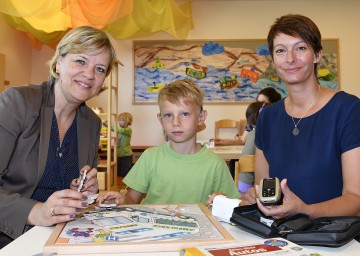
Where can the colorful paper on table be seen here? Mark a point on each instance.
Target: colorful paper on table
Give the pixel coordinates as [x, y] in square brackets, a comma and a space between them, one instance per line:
[266, 247]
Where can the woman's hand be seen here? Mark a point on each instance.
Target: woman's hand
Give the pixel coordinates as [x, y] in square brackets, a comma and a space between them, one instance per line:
[90, 185]
[249, 197]
[60, 207]
[290, 206]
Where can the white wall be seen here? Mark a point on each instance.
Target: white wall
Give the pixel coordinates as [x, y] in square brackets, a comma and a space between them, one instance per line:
[241, 20]
[40, 67]
[15, 46]
[236, 19]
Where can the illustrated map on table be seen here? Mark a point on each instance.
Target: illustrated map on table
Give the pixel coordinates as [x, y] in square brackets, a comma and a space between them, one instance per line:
[140, 223]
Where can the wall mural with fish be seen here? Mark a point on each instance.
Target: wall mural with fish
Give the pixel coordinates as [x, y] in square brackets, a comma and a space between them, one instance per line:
[229, 71]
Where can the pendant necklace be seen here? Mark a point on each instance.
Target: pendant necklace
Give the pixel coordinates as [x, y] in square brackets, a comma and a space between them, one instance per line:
[296, 130]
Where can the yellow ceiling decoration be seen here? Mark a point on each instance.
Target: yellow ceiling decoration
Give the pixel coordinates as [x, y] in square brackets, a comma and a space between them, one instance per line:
[46, 21]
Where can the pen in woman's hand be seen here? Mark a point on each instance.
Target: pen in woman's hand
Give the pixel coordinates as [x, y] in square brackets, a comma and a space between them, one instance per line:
[82, 180]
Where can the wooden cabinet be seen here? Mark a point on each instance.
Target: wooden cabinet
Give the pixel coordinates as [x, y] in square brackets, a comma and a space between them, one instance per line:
[106, 175]
[137, 151]
[107, 167]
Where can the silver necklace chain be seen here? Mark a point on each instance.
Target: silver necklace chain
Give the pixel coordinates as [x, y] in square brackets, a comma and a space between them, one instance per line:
[296, 130]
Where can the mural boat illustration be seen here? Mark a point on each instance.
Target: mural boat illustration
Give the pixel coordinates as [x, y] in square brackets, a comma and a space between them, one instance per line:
[155, 87]
[228, 84]
[325, 74]
[253, 76]
[274, 78]
[197, 72]
[158, 64]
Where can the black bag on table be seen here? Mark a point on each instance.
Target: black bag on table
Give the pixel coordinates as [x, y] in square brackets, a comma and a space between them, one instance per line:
[300, 229]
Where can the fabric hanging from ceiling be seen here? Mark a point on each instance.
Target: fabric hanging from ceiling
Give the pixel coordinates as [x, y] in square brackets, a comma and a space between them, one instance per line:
[45, 22]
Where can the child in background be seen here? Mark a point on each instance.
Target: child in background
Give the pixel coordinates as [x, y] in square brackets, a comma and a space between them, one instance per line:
[268, 95]
[180, 170]
[124, 151]
[246, 179]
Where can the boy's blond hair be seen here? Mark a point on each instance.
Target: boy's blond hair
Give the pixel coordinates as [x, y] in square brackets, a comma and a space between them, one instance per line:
[182, 91]
[126, 116]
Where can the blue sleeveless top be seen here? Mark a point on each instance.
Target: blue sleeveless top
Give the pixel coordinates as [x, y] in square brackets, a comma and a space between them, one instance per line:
[311, 161]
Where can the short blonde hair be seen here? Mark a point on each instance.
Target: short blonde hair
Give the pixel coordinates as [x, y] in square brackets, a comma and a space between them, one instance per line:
[182, 90]
[80, 40]
[126, 116]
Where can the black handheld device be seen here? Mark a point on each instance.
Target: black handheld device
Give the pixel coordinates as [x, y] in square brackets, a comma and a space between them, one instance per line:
[269, 192]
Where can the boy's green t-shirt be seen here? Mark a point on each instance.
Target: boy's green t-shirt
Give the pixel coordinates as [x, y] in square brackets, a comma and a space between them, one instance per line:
[171, 178]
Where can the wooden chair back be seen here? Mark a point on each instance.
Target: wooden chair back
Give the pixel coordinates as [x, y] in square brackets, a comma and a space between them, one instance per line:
[246, 163]
[226, 123]
[242, 126]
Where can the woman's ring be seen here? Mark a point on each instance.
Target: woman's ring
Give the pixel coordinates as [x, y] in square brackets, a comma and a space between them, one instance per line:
[52, 210]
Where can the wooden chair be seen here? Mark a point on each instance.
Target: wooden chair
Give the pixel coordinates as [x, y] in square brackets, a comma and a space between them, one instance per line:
[226, 123]
[246, 163]
[242, 126]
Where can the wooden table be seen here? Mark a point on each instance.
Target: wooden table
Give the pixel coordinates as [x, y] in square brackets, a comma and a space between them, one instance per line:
[228, 152]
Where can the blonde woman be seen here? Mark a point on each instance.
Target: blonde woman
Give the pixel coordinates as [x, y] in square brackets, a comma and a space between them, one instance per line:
[49, 137]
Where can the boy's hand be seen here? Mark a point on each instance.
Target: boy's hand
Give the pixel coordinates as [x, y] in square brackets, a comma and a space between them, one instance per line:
[211, 198]
[111, 197]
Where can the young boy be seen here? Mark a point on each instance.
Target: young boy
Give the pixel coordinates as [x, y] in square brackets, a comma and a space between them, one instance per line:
[180, 170]
[124, 153]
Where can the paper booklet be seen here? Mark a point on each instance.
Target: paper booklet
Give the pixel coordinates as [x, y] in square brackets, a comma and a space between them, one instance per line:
[223, 207]
[266, 247]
